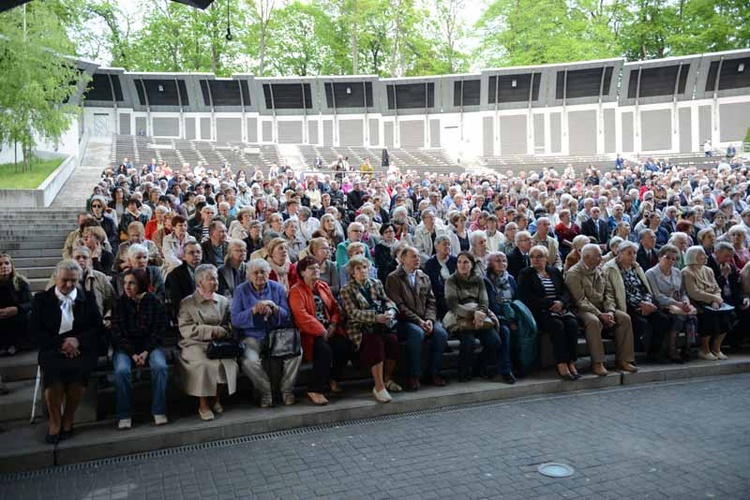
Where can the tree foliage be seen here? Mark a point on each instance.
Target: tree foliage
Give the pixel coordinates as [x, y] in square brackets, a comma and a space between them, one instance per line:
[36, 79]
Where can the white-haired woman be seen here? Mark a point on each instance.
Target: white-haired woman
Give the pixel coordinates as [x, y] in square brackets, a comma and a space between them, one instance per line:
[204, 316]
[705, 294]
[137, 258]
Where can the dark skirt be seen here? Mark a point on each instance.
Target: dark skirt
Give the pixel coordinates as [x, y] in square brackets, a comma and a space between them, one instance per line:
[58, 369]
[715, 323]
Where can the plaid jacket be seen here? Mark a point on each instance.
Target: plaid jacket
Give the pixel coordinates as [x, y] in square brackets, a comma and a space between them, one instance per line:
[359, 315]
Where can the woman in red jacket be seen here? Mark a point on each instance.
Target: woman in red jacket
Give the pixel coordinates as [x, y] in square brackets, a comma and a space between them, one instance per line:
[318, 318]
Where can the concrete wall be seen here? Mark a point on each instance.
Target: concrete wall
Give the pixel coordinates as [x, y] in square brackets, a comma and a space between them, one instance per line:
[45, 194]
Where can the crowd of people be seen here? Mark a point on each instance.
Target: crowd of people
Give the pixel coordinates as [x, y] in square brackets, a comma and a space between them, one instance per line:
[368, 264]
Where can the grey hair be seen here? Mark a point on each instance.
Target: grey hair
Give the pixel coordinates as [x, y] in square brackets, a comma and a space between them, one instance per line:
[289, 222]
[399, 211]
[691, 255]
[589, 249]
[519, 235]
[615, 242]
[723, 245]
[254, 264]
[645, 232]
[442, 237]
[736, 230]
[305, 211]
[355, 245]
[68, 265]
[363, 219]
[162, 209]
[627, 244]
[82, 249]
[355, 225]
[677, 236]
[202, 270]
[476, 235]
[540, 248]
[235, 242]
[580, 241]
[136, 248]
[354, 262]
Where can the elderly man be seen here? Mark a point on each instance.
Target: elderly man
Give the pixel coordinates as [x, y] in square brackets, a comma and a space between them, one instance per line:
[411, 290]
[543, 238]
[233, 272]
[181, 281]
[647, 256]
[518, 258]
[137, 234]
[216, 247]
[425, 235]
[355, 232]
[596, 228]
[587, 283]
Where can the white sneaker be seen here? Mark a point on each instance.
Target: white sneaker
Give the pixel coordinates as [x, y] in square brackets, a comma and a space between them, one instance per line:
[708, 356]
[382, 396]
[124, 424]
[160, 419]
[720, 355]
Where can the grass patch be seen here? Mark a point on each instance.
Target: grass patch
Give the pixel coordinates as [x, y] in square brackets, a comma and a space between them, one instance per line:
[40, 169]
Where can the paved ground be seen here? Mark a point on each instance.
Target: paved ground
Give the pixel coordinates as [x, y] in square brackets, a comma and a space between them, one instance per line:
[679, 440]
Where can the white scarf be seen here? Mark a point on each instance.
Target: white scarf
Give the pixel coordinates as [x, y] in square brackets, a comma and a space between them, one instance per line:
[66, 307]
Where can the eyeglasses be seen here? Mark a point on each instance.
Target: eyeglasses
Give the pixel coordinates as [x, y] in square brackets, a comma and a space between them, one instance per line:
[96, 206]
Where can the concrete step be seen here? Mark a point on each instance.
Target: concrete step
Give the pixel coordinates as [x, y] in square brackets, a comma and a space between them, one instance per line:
[38, 284]
[35, 252]
[35, 244]
[30, 233]
[36, 272]
[22, 366]
[17, 404]
[32, 262]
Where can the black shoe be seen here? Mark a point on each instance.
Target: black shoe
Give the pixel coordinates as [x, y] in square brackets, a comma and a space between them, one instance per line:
[508, 378]
[52, 438]
[677, 360]
[66, 434]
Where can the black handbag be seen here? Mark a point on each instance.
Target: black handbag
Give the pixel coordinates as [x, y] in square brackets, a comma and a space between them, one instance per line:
[282, 343]
[225, 349]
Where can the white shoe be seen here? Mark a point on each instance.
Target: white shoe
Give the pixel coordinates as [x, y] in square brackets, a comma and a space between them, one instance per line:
[382, 396]
[124, 424]
[392, 386]
[206, 415]
[720, 355]
[160, 419]
[708, 356]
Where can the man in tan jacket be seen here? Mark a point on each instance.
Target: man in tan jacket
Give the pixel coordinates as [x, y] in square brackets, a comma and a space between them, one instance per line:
[586, 283]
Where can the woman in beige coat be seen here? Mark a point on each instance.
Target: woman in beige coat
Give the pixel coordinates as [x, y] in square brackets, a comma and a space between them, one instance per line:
[203, 317]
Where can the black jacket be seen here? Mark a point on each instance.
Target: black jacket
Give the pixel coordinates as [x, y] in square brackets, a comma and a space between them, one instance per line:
[138, 328]
[432, 269]
[179, 285]
[643, 259]
[531, 291]
[209, 257]
[599, 230]
[44, 322]
[517, 262]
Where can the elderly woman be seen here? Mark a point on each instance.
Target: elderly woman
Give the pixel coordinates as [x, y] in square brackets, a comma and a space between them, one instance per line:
[132, 214]
[614, 247]
[737, 236]
[543, 289]
[137, 258]
[713, 321]
[479, 249]
[173, 246]
[282, 269]
[511, 228]
[623, 230]
[101, 259]
[294, 244]
[501, 291]
[233, 272]
[470, 318]
[356, 250]
[157, 223]
[385, 261]
[371, 317]
[425, 234]
[320, 250]
[719, 224]
[628, 290]
[259, 305]
[204, 316]
[330, 230]
[65, 321]
[240, 228]
[136, 235]
[458, 233]
[254, 239]
[575, 253]
[15, 303]
[681, 242]
[665, 281]
[138, 326]
[319, 320]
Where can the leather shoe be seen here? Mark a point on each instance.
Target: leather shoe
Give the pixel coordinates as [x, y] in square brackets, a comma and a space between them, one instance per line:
[412, 384]
[508, 378]
[627, 367]
[438, 381]
[598, 369]
[66, 434]
[52, 438]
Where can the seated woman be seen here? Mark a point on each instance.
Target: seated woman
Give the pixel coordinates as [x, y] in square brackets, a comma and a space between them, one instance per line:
[681, 242]
[614, 247]
[737, 237]
[318, 318]
[666, 284]
[233, 272]
[204, 316]
[371, 317]
[65, 321]
[15, 303]
[575, 254]
[542, 288]
[102, 260]
[137, 258]
[385, 262]
[358, 249]
[320, 250]
[469, 318]
[282, 269]
[705, 294]
[138, 325]
[501, 290]
[257, 306]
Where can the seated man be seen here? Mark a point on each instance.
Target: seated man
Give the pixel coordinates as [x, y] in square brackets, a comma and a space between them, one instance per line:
[215, 249]
[647, 256]
[411, 290]
[586, 283]
[181, 281]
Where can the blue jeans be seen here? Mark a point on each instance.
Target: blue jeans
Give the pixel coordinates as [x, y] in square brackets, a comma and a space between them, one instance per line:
[490, 354]
[503, 362]
[159, 373]
[414, 335]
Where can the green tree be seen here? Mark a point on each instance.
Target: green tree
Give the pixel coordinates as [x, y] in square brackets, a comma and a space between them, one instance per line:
[710, 26]
[36, 78]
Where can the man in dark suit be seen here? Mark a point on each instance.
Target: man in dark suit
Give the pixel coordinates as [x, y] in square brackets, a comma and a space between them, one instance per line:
[595, 228]
[180, 281]
[670, 219]
[647, 256]
[519, 258]
[215, 248]
[411, 290]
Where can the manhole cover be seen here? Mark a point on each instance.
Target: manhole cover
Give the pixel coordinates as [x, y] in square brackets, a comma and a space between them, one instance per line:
[554, 469]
